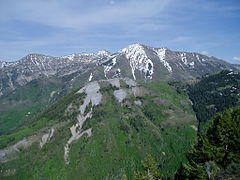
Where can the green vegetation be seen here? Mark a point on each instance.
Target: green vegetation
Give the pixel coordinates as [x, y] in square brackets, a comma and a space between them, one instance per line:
[150, 170]
[123, 134]
[52, 115]
[21, 105]
[216, 155]
[214, 93]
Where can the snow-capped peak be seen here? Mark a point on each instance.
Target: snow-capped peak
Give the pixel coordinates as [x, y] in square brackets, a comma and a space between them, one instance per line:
[70, 57]
[131, 47]
[138, 59]
[5, 64]
[103, 53]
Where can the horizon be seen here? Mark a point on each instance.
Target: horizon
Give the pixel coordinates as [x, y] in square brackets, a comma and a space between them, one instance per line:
[206, 27]
[115, 52]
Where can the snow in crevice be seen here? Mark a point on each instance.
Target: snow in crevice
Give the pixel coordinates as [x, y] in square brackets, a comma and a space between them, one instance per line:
[184, 58]
[138, 60]
[117, 73]
[109, 66]
[161, 55]
[90, 77]
[197, 56]
[191, 64]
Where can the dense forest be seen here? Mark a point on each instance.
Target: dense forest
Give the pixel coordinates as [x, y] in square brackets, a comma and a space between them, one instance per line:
[216, 154]
[214, 93]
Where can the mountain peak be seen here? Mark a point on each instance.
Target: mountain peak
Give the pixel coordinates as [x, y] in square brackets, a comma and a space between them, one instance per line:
[103, 53]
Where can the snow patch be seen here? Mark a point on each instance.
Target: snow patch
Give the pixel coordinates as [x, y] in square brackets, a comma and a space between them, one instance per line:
[69, 57]
[191, 64]
[109, 66]
[197, 56]
[90, 77]
[161, 55]
[103, 53]
[184, 58]
[138, 60]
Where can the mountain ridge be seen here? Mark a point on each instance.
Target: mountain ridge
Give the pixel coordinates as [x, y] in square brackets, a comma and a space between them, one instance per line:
[108, 52]
[137, 61]
[106, 126]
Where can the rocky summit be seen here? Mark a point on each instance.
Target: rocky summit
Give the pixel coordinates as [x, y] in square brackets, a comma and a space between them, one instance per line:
[137, 61]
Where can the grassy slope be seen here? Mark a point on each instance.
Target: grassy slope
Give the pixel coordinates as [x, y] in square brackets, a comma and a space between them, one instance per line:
[122, 136]
[31, 98]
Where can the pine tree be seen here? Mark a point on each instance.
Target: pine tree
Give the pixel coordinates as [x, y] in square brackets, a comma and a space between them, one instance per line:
[150, 170]
[216, 151]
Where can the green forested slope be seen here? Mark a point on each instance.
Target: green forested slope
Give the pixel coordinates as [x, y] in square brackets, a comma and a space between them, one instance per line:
[216, 155]
[214, 93]
[21, 105]
[123, 134]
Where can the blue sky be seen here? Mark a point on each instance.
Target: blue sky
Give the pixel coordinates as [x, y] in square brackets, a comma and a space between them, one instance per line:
[61, 27]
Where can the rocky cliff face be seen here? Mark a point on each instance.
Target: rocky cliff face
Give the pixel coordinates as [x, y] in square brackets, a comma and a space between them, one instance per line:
[34, 66]
[136, 61]
[161, 63]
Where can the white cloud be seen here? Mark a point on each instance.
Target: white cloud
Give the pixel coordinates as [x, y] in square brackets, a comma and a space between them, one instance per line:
[204, 52]
[59, 13]
[236, 58]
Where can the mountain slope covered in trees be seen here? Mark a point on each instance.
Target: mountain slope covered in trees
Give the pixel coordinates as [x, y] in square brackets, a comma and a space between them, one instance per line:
[102, 131]
[214, 93]
[216, 155]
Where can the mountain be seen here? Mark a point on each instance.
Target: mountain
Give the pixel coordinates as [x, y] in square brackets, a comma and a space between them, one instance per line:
[34, 66]
[142, 62]
[21, 105]
[36, 81]
[102, 131]
[136, 61]
[127, 108]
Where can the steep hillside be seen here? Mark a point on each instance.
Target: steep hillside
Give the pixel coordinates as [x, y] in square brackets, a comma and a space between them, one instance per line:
[143, 62]
[34, 66]
[22, 104]
[215, 93]
[216, 155]
[102, 131]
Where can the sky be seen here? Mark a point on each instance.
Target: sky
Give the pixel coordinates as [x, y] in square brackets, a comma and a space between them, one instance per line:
[62, 27]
